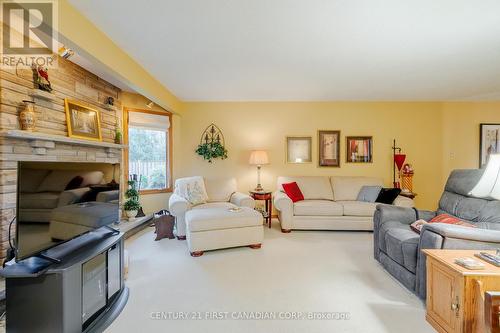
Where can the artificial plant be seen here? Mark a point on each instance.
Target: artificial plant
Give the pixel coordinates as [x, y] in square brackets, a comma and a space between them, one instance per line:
[132, 195]
[211, 150]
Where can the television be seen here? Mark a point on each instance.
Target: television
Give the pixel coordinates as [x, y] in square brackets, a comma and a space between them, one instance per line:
[59, 201]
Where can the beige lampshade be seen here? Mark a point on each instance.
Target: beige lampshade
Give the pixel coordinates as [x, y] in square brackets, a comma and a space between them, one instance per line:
[258, 157]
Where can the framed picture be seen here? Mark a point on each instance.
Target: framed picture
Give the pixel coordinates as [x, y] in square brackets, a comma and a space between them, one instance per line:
[359, 149]
[329, 148]
[489, 142]
[298, 149]
[83, 122]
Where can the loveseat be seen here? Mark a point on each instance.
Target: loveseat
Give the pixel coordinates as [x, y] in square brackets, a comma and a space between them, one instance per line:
[330, 203]
[398, 248]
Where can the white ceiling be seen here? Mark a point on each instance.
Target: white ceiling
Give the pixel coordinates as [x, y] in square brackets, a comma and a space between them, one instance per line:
[278, 50]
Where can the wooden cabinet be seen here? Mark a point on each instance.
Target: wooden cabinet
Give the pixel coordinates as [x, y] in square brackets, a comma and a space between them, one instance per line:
[455, 295]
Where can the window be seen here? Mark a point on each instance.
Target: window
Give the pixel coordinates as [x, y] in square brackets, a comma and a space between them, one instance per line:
[149, 138]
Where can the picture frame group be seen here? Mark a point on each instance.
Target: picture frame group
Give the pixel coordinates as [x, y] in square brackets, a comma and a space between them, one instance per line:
[359, 149]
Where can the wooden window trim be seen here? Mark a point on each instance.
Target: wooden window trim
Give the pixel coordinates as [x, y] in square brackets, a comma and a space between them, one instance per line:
[168, 114]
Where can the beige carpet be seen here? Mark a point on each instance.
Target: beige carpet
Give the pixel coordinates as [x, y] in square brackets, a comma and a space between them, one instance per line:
[299, 274]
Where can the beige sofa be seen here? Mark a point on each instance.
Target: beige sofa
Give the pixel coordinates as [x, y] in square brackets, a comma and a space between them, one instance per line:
[330, 204]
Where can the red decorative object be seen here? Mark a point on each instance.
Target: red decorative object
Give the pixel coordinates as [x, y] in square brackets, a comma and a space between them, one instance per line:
[293, 191]
[399, 159]
[448, 219]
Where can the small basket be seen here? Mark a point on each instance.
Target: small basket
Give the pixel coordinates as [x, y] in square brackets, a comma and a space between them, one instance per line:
[407, 182]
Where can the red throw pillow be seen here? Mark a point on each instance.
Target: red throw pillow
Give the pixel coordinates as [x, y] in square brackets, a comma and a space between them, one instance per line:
[448, 219]
[293, 191]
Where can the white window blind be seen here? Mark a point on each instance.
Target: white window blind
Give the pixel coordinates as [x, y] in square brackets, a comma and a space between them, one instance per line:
[149, 121]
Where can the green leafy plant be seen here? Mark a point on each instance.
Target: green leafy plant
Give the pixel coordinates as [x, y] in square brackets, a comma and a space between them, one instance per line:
[132, 195]
[131, 205]
[211, 150]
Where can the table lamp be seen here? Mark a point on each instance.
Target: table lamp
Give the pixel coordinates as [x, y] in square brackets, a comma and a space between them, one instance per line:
[258, 158]
[489, 184]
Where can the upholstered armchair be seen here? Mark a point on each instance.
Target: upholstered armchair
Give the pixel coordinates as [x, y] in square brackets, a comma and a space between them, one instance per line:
[222, 194]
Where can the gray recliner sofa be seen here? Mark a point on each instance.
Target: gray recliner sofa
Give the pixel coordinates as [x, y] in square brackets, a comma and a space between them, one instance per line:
[397, 247]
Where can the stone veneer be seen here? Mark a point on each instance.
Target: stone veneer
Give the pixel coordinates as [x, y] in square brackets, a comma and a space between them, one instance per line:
[50, 142]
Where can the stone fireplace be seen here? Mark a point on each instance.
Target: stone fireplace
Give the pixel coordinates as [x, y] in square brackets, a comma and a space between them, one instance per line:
[50, 141]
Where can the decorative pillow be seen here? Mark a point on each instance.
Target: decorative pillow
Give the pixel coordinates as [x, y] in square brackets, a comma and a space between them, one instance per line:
[192, 189]
[388, 195]
[74, 183]
[448, 219]
[369, 193]
[442, 218]
[91, 178]
[57, 180]
[293, 191]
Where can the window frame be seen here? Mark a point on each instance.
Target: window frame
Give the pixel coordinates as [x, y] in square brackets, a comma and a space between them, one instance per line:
[169, 154]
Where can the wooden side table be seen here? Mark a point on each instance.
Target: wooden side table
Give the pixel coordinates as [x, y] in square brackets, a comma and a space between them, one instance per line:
[410, 195]
[455, 295]
[268, 198]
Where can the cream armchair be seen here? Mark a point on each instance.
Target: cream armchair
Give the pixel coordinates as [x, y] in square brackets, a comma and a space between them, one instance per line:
[222, 194]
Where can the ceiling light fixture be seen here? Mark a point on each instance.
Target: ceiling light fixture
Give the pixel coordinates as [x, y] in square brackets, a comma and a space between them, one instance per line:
[65, 52]
[150, 104]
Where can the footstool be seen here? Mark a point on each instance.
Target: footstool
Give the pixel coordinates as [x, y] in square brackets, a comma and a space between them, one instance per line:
[219, 228]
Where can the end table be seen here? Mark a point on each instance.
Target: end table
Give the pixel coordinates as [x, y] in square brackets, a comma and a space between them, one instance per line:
[267, 197]
[410, 195]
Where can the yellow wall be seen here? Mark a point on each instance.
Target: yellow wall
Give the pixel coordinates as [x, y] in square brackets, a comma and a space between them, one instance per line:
[461, 132]
[154, 202]
[417, 128]
[437, 137]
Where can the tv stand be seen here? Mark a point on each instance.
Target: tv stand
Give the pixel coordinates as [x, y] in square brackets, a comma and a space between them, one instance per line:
[67, 296]
[49, 258]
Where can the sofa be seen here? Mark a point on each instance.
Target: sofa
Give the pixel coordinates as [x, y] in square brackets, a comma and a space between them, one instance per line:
[222, 194]
[330, 203]
[398, 248]
[43, 190]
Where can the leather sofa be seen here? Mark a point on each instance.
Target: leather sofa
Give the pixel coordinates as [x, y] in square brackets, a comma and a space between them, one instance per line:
[398, 248]
[330, 204]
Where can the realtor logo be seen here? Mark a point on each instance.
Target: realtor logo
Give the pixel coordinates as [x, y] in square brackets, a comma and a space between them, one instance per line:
[28, 33]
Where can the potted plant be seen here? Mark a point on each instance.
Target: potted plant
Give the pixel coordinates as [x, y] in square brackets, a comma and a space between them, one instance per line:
[132, 205]
[211, 150]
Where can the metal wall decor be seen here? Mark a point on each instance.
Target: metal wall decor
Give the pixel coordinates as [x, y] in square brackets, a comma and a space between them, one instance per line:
[212, 134]
[212, 144]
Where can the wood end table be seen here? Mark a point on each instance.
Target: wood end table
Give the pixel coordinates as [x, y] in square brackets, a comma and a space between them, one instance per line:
[267, 197]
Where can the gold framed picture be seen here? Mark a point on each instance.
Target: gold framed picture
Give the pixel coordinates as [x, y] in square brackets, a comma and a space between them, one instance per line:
[83, 122]
[359, 149]
[298, 149]
[329, 148]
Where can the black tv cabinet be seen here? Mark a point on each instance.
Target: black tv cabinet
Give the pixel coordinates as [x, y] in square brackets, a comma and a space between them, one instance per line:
[83, 293]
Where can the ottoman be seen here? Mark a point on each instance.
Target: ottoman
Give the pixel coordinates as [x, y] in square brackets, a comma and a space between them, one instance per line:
[71, 220]
[218, 228]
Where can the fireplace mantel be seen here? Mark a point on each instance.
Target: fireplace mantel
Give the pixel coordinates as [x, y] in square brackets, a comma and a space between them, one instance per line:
[26, 135]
